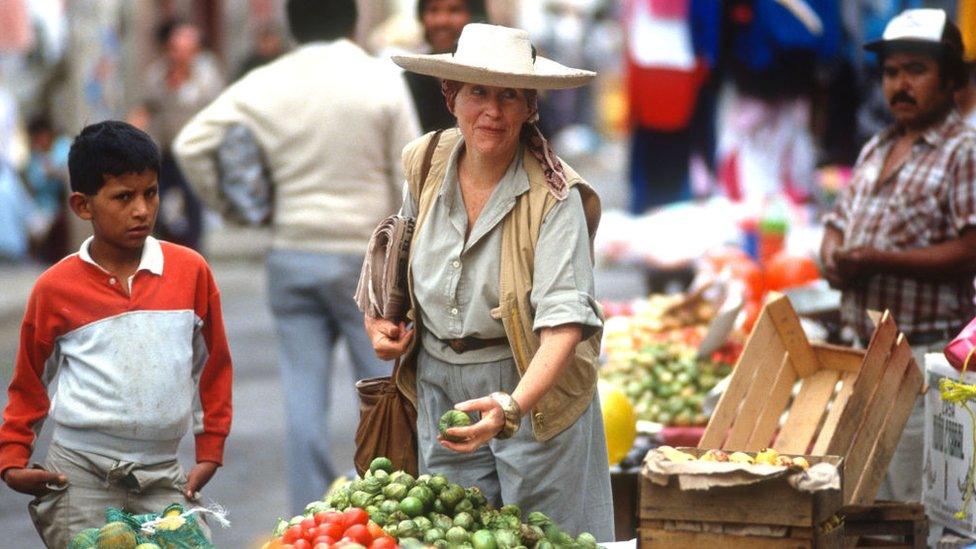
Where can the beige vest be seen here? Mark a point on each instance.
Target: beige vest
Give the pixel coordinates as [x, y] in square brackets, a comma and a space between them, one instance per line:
[573, 390]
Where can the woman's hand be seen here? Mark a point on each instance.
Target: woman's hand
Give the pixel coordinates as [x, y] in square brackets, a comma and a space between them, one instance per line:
[491, 423]
[389, 340]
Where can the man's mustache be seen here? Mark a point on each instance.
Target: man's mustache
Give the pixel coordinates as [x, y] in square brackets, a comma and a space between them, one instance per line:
[900, 97]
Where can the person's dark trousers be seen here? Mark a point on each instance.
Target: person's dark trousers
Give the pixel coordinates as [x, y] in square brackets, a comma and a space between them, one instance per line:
[658, 168]
[180, 218]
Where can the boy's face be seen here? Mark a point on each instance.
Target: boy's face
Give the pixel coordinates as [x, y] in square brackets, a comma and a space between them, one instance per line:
[123, 212]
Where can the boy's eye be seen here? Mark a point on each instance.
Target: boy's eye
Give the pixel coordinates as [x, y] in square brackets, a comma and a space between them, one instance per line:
[477, 90]
[123, 196]
[152, 192]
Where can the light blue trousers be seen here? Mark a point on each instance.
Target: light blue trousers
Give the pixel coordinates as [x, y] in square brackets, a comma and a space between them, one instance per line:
[311, 299]
[566, 477]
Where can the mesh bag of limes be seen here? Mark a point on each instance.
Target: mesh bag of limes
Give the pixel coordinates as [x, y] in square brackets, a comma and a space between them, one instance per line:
[174, 528]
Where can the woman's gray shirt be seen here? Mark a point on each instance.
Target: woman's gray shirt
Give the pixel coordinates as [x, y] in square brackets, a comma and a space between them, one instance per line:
[456, 283]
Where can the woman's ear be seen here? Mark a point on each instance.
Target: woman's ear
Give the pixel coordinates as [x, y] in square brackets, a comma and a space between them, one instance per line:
[80, 204]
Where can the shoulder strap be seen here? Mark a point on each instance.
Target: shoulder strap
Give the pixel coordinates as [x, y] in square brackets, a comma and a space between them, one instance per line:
[428, 158]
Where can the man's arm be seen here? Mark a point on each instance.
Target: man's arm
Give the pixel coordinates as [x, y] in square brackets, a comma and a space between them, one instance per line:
[833, 240]
[196, 145]
[949, 260]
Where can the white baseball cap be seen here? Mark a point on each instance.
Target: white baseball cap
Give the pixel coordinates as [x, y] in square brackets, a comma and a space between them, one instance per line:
[923, 29]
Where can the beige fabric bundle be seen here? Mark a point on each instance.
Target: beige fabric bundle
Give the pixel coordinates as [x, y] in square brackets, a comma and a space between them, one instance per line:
[382, 289]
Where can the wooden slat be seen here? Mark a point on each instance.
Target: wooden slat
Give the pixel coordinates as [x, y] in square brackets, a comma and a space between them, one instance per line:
[778, 397]
[864, 385]
[884, 511]
[771, 503]
[879, 408]
[833, 416]
[884, 448]
[695, 540]
[761, 350]
[753, 404]
[806, 412]
[834, 357]
[787, 323]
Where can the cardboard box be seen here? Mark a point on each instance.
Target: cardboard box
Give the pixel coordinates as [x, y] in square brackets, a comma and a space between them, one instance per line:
[948, 450]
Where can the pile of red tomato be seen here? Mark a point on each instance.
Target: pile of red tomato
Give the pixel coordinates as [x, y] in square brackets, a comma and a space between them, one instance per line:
[334, 530]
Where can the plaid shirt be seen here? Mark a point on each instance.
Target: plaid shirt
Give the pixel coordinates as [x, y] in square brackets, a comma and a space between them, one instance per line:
[929, 200]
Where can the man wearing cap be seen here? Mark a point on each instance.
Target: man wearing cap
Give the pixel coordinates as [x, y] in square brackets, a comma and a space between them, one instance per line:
[901, 237]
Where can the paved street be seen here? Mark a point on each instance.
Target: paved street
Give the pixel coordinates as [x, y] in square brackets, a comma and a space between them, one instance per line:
[252, 484]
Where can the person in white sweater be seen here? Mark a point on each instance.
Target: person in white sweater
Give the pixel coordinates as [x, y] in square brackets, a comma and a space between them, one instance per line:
[331, 122]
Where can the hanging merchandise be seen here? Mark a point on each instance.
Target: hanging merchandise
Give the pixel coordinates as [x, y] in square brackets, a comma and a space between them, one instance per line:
[671, 45]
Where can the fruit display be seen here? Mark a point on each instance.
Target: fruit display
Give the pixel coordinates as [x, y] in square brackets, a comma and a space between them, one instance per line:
[666, 383]
[767, 456]
[396, 508]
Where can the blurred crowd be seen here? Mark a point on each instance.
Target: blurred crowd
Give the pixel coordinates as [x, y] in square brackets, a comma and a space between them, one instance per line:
[744, 99]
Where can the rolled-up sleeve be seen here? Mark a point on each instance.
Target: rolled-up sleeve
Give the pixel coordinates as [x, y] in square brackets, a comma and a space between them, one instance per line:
[962, 192]
[562, 290]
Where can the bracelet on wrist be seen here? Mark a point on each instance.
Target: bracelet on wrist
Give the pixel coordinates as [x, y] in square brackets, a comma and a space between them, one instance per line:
[512, 411]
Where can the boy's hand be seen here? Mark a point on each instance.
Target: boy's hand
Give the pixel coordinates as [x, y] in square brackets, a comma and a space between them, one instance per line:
[33, 481]
[199, 476]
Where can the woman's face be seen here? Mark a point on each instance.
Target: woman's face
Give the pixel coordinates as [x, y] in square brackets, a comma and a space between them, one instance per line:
[491, 118]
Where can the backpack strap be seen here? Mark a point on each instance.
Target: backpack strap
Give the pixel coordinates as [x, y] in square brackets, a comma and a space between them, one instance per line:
[428, 158]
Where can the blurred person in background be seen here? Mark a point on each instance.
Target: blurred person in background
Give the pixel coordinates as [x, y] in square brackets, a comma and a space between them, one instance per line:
[269, 44]
[902, 235]
[966, 98]
[442, 21]
[47, 179]
[16, 205]
[330, 122]
[670, 50]
[177, 86]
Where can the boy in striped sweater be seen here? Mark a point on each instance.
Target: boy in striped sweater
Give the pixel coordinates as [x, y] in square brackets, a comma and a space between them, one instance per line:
[131, 329]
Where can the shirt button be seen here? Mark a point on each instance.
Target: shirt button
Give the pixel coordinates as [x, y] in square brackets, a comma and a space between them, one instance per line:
[454, 311]
[538, 417]
[456, 263]
[112, 280]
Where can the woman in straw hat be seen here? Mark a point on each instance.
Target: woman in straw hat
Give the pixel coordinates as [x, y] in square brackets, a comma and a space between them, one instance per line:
[501, 287]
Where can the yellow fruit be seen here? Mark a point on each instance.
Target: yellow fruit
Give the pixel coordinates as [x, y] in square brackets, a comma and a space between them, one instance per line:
[714, 455]
[172, 522]
[675, 455]
[767, 456]
[619, 421]
[740, 457]
[801, 462]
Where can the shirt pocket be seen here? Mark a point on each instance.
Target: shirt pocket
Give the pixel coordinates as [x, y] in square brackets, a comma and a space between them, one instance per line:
[912, 221]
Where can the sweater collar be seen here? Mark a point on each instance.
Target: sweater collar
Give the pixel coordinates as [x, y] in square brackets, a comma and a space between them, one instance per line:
[151, 260]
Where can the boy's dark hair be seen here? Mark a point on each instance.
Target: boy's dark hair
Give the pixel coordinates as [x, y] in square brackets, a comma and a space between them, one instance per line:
[476, 8]
[321, 20]
[111, 148]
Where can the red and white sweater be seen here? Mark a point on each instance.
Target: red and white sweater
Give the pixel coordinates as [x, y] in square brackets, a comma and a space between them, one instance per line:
[132, 370]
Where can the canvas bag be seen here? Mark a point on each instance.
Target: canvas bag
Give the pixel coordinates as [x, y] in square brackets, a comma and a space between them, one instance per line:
[387, 418]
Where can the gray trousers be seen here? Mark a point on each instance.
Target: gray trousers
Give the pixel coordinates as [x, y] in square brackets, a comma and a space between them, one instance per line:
[311, 300]
[566, 477]
[96, 482]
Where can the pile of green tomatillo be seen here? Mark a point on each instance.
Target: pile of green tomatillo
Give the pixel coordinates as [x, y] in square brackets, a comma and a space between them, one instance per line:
[431, 511]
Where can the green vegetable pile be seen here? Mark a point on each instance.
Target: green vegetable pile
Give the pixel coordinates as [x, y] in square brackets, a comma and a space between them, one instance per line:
[431, 511]
[666, 383]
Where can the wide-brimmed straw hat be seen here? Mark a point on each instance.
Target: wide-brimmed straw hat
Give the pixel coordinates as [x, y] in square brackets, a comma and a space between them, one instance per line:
[493, 55]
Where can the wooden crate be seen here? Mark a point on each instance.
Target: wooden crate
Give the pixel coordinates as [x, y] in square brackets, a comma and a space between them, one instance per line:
[771, 502]
[849, 403]
[886, 524]
[661, 535]
[672, 517]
